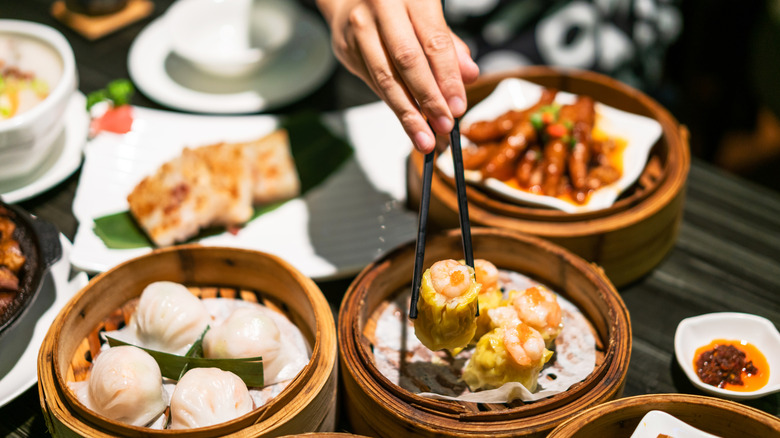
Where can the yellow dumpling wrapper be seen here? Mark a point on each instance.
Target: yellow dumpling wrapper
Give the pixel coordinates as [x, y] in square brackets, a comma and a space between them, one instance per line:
[487, 300]
[446, 323]
[491, 365]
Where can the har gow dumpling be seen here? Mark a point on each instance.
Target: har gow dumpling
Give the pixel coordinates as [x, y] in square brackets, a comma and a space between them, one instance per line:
[248, 332]
[126, 385]
[169, 318]
[208, 396]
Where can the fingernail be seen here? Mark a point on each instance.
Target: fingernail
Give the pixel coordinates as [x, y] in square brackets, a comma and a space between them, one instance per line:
[457, 106]
[423, 141]
[445, 124]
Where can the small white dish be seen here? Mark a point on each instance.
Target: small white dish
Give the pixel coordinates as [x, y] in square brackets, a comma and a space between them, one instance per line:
[230, 37]
[698, 331]
[640, 133]
[333, 231]
[18, 363]
[659, 423]
[299, 68]
[63, 159]
[27, 136]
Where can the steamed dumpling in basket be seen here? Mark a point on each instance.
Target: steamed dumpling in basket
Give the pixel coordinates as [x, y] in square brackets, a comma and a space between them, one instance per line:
[447, 307]
[513, 352]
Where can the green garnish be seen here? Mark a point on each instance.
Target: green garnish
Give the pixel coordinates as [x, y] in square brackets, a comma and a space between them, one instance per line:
[172, 366]
[536, 121]
[118, 92]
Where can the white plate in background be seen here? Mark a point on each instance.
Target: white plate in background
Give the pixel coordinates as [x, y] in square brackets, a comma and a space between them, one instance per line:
[166, 78]
[335, 230]
[20, 345]
[640, 133]
[63, 160]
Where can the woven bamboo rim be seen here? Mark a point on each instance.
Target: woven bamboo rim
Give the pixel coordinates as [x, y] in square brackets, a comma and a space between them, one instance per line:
[620, 418]
[377, 407]
[306, 405]
[643, 222]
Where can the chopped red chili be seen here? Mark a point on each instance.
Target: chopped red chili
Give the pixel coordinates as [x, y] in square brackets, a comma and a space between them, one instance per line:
[723, 364]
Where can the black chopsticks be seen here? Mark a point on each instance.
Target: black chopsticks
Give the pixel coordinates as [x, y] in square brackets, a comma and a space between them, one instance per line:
[422, 218]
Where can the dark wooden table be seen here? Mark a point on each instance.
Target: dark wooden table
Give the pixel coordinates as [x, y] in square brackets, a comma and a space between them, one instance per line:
[727, 257]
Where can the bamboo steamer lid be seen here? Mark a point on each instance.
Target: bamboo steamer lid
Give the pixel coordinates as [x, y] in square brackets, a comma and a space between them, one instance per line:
[307, 404]
[627, 239]
[377, 407]
[619, 418]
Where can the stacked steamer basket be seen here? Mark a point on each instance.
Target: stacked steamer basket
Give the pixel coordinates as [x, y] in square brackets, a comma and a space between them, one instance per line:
[627, 239]
[375, 406]
[307, 404]
[620, 418]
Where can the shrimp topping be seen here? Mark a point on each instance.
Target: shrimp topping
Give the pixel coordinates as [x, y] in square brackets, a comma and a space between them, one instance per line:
[450, 278]
[524, 344]
[539, 308]
[486, 273]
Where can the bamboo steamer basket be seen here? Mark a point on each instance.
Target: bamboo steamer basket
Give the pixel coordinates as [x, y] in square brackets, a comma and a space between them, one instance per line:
[627, 239]
[377, 407]
[619, 418]
[307, 404]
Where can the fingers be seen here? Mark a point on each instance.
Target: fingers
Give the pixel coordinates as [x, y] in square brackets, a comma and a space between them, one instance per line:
[386, 81]
[408, 56]
[469, 71]
[439, 48]
[402, 41]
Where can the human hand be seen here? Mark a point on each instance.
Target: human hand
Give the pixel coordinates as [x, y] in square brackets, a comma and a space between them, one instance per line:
[407, 54]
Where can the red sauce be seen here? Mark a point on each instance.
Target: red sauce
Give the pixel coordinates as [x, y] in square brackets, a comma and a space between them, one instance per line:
[733, 365]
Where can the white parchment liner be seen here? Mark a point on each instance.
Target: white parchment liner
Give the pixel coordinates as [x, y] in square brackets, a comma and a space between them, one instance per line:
[402, 358]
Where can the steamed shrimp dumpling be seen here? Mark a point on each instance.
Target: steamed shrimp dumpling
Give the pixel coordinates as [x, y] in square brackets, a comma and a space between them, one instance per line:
[490, 295]
[447, 307]
[126, 385]
[169, 318]
[538, 307]
[247, 332]
[208, 396]
[514, 352]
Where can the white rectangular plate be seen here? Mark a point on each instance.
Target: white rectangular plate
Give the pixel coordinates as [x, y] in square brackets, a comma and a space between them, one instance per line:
[333, 231]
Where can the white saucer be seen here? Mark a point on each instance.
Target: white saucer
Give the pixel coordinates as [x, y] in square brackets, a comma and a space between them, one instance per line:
[19, 361]
[64, 159]
[171, 81]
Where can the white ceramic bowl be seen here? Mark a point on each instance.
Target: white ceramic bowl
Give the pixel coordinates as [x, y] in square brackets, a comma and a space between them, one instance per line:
[25, 138]
[659, 423]
[698, 331]
[230, 37]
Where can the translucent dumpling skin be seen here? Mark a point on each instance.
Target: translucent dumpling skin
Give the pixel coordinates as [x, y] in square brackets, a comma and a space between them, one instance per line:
[126, 385]
[208, 396]
[447, 306]
[169, 318]
[493, 364]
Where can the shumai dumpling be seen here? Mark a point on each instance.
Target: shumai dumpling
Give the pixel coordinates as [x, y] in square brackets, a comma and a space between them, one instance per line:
[126, 385]
[511, 353]
[538, 307]
[490, 295]
[447, 308]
